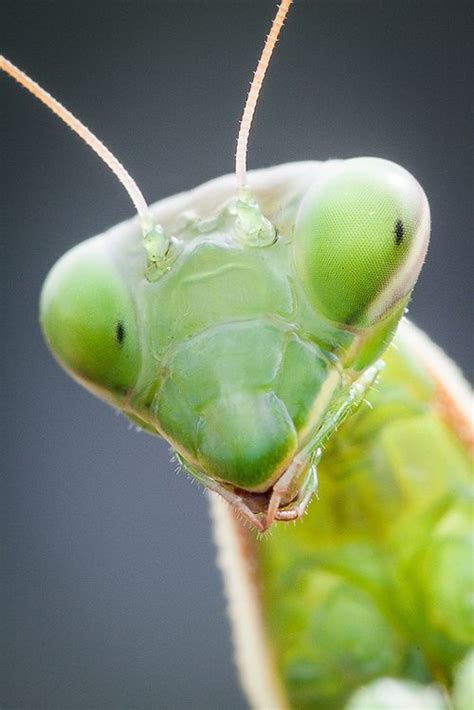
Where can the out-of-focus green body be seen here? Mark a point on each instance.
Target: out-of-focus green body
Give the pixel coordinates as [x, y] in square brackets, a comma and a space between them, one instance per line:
[378, 579]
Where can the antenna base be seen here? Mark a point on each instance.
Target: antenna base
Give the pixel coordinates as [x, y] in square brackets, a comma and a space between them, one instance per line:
[157, 246]
[251, 227]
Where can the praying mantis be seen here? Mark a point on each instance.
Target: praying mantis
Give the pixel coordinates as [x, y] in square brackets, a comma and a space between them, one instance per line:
[216, 188]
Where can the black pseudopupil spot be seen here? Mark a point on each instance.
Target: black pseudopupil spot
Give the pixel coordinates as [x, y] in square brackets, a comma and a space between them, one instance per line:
[120, 332]
[399, 232]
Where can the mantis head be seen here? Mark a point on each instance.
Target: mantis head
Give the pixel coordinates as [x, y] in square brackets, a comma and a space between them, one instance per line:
[247, 347]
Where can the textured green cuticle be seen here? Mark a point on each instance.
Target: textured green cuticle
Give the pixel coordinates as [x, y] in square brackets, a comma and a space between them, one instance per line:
[246, 437]
[239, 360]
[378, 580]
[241, 423]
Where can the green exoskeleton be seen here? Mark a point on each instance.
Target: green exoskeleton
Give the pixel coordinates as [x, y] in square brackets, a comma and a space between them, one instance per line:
[377, 582]
[251, 329]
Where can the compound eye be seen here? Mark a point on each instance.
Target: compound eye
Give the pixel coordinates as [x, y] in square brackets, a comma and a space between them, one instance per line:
[361, 236]
[89, 320]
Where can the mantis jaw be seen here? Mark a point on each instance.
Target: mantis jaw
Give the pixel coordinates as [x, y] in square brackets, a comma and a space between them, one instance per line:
[289, 496]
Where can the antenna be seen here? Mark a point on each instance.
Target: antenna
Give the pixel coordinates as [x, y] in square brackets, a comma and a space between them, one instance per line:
[255, 86]
[155, 242]
[87, 136]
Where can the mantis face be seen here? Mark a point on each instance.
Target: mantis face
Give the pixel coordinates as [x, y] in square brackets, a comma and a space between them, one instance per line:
[246, 357]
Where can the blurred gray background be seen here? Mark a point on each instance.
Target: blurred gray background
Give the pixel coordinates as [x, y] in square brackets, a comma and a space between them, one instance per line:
[111, 598]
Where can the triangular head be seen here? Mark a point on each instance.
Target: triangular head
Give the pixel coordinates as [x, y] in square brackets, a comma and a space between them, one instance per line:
[246, 356]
